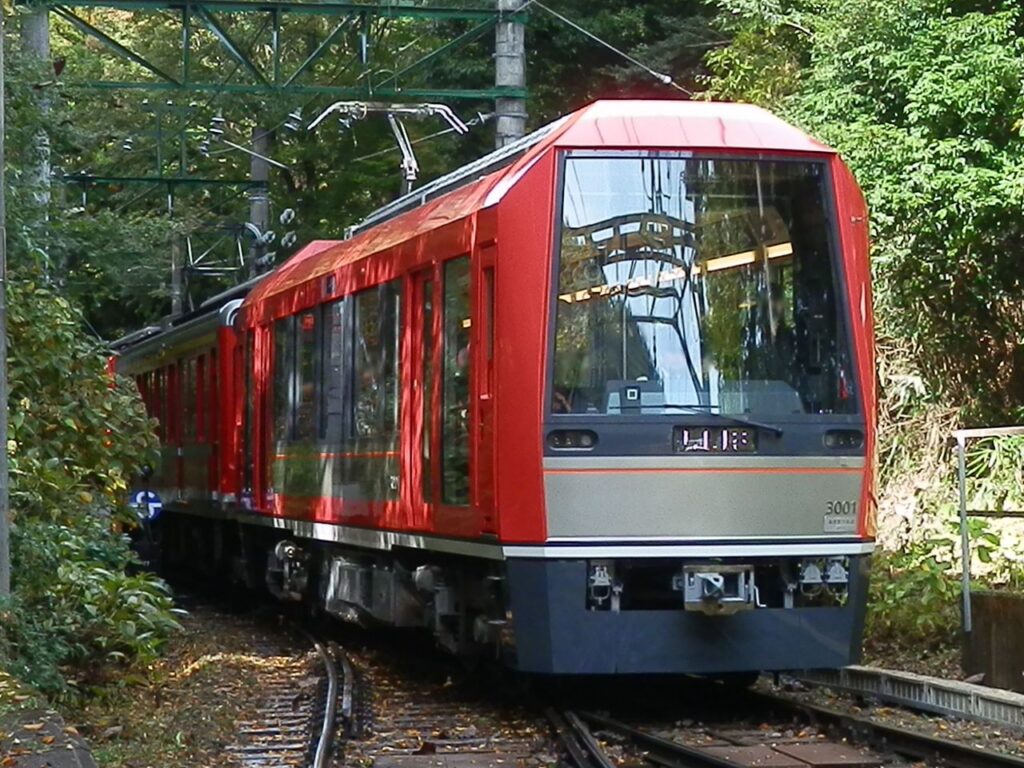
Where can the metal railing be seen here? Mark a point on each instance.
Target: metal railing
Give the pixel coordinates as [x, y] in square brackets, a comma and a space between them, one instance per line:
[962, 436]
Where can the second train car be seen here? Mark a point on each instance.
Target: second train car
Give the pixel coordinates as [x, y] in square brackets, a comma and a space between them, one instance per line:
[599, 403]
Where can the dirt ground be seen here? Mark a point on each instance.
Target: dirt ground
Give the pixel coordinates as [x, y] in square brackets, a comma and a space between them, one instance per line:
[940, 662]
[183, 710]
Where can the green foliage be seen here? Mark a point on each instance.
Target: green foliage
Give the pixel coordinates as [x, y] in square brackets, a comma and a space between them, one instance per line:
[334, 176]
[78, 606]
[916, 592]
[914, 597]
[76, 440]
[924, 101]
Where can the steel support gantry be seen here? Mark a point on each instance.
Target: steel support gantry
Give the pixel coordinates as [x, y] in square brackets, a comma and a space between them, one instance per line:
[271, 78]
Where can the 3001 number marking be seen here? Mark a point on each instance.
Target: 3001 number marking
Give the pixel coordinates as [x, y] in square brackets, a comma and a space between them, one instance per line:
[838, 507]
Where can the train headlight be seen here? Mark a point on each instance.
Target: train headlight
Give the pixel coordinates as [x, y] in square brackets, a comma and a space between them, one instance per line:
[844, 438]
[572, 439]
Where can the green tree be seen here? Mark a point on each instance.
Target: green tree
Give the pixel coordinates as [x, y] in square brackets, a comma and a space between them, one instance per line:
[924, 101]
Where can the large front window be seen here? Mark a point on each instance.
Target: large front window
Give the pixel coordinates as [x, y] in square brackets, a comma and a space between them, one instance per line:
[689, 284]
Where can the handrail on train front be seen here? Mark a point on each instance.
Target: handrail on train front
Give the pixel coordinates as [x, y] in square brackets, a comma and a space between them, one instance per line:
[962, 436]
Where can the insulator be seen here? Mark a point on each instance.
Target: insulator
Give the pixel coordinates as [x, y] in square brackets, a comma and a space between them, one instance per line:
[294, 120]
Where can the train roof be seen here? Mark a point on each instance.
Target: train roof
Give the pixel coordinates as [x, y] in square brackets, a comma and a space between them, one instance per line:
[612, 124]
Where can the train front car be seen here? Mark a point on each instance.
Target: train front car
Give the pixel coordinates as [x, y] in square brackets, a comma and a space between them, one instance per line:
[705, 419]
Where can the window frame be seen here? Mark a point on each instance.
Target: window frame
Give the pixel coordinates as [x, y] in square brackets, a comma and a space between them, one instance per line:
[835, 246]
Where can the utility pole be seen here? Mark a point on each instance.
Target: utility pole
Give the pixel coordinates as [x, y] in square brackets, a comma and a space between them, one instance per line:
[509, 71]
[35, 41]
[5, 512]
[259, 196]
[177, 274]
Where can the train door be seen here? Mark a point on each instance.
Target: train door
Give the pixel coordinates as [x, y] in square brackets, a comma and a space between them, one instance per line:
[455, 515]
[483, 364]
[421, 457]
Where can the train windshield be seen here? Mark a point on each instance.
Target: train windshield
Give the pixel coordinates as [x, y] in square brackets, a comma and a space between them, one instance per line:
[698, 284]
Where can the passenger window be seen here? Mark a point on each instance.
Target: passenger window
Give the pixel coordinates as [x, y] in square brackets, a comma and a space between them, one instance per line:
[455, 406]
[188, 400]
[160, 403]
[305, 377]
[282, 378]
[200, 397]
[249, 445]
[375, 368]
[212, 397]
[332, 391]
[428, 388]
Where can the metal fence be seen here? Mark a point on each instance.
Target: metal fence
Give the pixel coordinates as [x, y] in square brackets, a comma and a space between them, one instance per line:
[962, 436]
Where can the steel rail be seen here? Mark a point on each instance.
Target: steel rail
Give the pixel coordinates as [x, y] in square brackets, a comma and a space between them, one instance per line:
[323, 746]
[577, 740]
[917, 746]
[353, 728]
[660, 750]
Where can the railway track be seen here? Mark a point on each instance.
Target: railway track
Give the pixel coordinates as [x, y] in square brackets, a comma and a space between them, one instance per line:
[775, 731]
[308, 694]
[418, 710]
[402, 706]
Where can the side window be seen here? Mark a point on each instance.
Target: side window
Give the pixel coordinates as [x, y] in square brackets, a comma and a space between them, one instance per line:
[249, 444]
[455, 384]
[332, 389]
[428, 389]
[201, 396]
[160, 402]
[281, 383]
[375, 362]
[188, 399]
[306, 376]
[212, 397]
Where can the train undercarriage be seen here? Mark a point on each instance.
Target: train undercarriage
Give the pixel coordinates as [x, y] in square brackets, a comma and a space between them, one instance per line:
[552, 616]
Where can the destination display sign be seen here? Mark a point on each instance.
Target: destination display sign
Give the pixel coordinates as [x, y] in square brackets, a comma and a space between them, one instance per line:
[715, 440]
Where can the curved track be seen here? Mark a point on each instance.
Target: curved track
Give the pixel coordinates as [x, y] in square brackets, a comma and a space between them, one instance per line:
[827, 738]
[298, 713]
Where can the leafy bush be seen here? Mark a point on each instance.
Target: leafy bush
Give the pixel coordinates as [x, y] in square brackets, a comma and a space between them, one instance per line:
[916, 591]
[915, 594]
[79, 602]
[75, 440]
[78, 605]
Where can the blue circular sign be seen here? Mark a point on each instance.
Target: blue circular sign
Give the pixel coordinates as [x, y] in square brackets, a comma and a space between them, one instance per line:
[148, 505]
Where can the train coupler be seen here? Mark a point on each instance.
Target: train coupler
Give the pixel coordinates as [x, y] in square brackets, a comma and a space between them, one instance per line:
[717, 590]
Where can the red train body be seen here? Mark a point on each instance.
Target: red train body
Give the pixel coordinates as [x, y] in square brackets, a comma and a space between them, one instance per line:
[602, 402]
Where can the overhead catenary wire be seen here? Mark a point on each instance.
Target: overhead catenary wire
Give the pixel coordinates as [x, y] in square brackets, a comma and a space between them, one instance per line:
[660, 76]
[478, 120]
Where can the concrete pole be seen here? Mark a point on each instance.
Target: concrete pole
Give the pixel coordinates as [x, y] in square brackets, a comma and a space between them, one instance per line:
[509, 71]
[177, 275]
[259, 197]
[5, 519]
[35, 41]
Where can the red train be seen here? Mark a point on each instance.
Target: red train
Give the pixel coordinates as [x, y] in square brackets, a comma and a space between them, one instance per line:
[600, 402]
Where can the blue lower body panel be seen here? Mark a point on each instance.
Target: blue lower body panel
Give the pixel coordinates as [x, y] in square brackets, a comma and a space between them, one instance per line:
[555, 633]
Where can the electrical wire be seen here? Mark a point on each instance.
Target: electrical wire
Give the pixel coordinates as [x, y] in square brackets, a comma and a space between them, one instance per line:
[478, 120]
[379, 35]
[660, 76]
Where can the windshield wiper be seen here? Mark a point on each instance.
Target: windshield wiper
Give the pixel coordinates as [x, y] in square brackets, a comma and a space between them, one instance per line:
[698, 409]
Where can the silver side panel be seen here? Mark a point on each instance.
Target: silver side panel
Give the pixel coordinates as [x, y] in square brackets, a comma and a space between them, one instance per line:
[702, 497]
